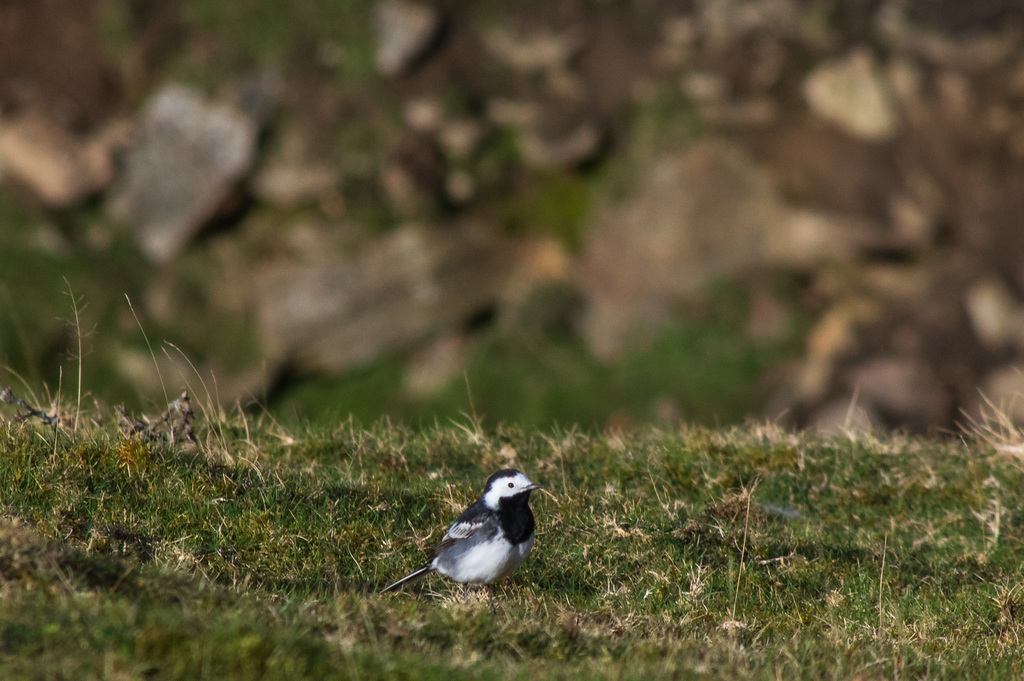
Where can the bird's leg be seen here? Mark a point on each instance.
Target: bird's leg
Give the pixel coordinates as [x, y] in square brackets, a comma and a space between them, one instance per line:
[465, 592]
[490, 596]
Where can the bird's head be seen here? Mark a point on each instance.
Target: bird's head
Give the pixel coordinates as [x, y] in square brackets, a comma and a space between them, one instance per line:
[507, 484]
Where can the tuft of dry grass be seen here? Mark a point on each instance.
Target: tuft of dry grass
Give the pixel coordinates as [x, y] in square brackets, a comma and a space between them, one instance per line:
[996, 426]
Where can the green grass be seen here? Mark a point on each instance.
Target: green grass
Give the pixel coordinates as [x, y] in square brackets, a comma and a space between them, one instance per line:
[250, 32]
[749, 553]
[558, 205]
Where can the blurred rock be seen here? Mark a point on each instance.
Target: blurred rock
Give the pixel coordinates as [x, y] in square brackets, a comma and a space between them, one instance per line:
[695, 217]
[58, 167]
[569, 149]
[313, 241]
[676, 42]
[540, 259]
[551, 309]
[410, 285]
[724, 22]
[413, 175]
[459, 138]
[540, 51]
[539, 263]
[154, 373]
[424, 114]
[291, 184]
[1015, 143]
[996, 317]
[404, 31]
[517, 113]
[971, 52]
[906, 282]
[187, 157]
[999, 119]
[806, 238]
[768, 319]
[741, 113]
[297, 172]
[769, 65]
[956, 96]
[902, 172]
[171, 372]
[928, 204]
[906, 78]
[53, 59]
[705, 86]
[400, 187]
[432, 368]
[1016, 80]
[852, 94]
[903, 387]
[543, 56]
[912, 222]
[459, 187]
[257, 95]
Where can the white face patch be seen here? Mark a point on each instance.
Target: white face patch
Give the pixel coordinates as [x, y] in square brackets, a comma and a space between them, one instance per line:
[506, 487]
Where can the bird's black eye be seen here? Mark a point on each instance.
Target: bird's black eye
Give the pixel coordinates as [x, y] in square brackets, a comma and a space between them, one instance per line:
[511, 485]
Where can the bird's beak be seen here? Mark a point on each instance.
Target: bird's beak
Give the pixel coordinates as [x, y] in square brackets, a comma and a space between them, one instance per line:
[535, 487]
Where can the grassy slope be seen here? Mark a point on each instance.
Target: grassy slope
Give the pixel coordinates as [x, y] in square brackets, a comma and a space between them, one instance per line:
[750, 553]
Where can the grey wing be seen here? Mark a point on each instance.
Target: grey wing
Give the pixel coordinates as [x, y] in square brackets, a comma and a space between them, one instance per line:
[461, 539]
[463, 529]
[474, 521]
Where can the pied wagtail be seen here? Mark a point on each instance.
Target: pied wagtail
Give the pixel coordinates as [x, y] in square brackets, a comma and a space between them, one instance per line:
[490, 539]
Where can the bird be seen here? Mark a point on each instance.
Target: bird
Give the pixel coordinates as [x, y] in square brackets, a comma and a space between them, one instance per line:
[489, 540]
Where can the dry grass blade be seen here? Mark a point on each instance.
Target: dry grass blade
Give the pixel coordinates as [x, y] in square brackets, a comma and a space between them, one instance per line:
[748, 493]
[996, 427]
[78, 355]
[881, 577]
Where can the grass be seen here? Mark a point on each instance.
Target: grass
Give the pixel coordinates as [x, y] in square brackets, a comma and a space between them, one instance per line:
[749, 553]
[240, 34]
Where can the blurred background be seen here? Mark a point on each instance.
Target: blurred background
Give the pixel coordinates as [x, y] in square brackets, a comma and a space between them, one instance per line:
[594, 212]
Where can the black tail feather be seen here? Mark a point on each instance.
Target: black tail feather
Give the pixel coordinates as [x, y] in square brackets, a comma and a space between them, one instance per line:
[411, 577]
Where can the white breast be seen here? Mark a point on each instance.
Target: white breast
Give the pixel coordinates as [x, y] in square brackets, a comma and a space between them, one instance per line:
[487, 561]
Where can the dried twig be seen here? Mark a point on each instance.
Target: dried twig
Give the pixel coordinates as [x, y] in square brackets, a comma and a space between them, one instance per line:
[174, 424]
[7, 396]
[783, 560]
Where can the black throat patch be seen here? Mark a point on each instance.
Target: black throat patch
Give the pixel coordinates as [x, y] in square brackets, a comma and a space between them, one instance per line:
[516, 518]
